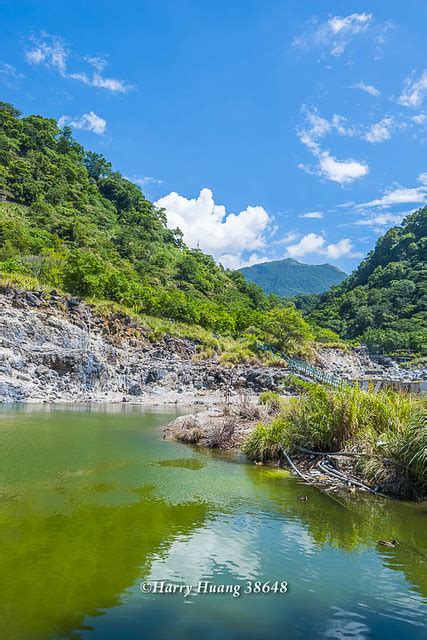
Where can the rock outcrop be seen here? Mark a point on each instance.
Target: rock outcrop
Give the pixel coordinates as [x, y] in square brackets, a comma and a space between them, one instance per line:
[57, 349]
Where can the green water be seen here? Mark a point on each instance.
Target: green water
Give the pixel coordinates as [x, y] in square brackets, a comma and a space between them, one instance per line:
[93, 502]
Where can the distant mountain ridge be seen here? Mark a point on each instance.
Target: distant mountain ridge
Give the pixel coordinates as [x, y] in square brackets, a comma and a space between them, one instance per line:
[290, 278]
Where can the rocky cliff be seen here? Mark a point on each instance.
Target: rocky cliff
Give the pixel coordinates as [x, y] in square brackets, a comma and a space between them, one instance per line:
[56, 349]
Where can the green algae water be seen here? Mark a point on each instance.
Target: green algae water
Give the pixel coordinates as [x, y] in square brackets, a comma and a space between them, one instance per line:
[95, 505]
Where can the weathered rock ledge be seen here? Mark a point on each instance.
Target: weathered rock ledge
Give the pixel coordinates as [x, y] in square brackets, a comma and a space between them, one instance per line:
[57, 349]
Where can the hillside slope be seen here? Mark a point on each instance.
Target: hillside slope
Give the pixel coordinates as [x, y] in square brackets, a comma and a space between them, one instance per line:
[71, 222]
[384, 301]
[288, 278]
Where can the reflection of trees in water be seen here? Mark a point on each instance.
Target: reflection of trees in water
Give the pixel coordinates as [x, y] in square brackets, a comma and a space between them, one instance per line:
[59, 568]
[349, 522]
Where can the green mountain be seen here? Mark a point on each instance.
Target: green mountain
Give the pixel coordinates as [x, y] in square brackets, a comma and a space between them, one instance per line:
[383, 303]
[69, 221]
[290, 278]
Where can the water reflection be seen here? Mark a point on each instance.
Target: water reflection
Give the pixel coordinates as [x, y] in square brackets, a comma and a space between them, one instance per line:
[351, 522]
[93, 501]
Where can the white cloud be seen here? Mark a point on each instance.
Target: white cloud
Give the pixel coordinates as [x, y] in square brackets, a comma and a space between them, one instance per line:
[289, 237]
[311, 214]
[96, 80]
[381, 220]
[420, 118]
[355, 23]
[53, 52]
[400, 195]
[341, 171]
[315, 243]
[414, 91]
[380, 131]
[310, 243]
[144, 180]
[88, 122]
[368, 88]
[209, 226]
[49, 50]
[98, 62]
[237, 261]
[423, 178]
[334, 34]
[9, 75]
[340, 249]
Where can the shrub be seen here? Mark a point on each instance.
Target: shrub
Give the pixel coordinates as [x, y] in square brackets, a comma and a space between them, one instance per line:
[265, 442]
[273, 401]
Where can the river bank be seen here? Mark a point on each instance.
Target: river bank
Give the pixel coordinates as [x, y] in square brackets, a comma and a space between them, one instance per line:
[341, 438]
[56, 348]
[227, 427]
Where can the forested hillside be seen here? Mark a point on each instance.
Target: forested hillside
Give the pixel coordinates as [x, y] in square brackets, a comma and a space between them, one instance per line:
[69, 220]
[384, 301]
[289, 277]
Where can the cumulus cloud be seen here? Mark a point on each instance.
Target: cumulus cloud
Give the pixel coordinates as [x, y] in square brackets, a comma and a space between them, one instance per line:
[341, 171]
[209, 226]
[312, 214]
[423, 178]
[414, 91]
[310, 243]
[53, 52]
[334, 34]
[313, 243]
[238, 261]
[88, 122]
[367, 88]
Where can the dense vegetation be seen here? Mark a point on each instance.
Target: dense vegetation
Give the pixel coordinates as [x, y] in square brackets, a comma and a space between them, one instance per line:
[383, 303]
[389, 427]
[289, 277]
[70, 221]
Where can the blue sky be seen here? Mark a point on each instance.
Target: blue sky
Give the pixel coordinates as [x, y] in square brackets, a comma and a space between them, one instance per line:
[267, 129]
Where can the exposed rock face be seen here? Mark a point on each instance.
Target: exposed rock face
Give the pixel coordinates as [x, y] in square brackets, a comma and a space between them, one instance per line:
[55, 349]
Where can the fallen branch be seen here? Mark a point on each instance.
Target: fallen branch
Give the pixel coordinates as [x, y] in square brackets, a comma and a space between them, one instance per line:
[341, 476]
[295, 468]
[332, 454]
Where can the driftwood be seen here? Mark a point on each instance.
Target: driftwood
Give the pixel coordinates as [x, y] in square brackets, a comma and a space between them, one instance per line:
[330, 453]
[328, 470]
[294, 467]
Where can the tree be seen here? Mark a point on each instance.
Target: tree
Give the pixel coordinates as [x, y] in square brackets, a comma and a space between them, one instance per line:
[97, 166]
[286, 329]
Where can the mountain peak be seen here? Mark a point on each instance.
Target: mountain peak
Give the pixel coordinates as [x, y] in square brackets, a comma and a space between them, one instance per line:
[289, 277]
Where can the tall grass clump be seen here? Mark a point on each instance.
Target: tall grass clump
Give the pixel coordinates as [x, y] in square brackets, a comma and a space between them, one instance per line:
[265, 442]
[272, 401]
[389, 428]
[399, 460]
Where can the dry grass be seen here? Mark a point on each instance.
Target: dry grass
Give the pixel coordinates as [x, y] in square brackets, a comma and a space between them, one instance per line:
[219, 434]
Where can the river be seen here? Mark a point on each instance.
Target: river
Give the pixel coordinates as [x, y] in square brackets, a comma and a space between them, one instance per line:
[100, 516]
